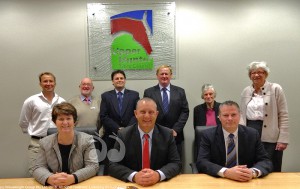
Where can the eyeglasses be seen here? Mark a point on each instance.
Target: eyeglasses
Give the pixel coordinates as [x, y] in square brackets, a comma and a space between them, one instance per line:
[86, 84]
[259, 73]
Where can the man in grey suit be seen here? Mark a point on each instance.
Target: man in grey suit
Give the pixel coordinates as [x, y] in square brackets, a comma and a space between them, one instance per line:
[112, 116]
[231, 150]
[164, 161]
[177, 112]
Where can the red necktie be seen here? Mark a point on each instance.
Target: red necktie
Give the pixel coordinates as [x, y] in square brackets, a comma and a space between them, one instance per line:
[146, 159]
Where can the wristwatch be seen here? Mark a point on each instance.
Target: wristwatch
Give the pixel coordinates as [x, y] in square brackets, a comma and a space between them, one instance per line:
[254, 173]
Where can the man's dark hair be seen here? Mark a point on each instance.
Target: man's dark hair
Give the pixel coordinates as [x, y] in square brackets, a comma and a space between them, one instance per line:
[116, 72]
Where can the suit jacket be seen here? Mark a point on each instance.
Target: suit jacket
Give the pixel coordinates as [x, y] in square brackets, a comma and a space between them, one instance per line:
[109, 110]
[83, 161]
[200, 114]
[164, 154]
[212, 153]
[178, 113]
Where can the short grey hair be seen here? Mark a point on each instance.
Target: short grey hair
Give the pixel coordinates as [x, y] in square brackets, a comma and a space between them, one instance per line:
[256, 64]
[205, 87]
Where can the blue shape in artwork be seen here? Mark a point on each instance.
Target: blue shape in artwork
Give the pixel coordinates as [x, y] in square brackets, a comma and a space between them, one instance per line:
[138, 15]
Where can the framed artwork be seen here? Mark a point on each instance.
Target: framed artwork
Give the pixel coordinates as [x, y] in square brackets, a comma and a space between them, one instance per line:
[136, 38]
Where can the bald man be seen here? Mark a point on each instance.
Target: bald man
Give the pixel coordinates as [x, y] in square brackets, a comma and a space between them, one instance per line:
[87, 105]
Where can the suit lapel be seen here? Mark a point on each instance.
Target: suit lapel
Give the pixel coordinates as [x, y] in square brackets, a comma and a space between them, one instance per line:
[172, 94]
[114, 100]
[221, 144]
[158, 97]
[155, 143]
[242, 141]
[137, 144]
[125, 101]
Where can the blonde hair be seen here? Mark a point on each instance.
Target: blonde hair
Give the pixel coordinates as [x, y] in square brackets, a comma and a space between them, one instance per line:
[164, 66]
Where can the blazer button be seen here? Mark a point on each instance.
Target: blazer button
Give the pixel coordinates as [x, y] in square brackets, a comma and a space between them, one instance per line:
[266, 115]
[266, 103]
[264, 93]
[265, 126]
[263, 88]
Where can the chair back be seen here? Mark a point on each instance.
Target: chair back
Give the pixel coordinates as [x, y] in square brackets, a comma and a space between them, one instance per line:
[198, 134]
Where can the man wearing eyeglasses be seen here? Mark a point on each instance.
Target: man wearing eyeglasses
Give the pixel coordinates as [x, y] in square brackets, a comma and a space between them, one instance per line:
[87, 105]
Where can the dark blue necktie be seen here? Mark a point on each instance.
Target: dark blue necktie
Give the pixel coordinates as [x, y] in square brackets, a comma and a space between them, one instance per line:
[120, 101]
[231, 152]
[165, 100]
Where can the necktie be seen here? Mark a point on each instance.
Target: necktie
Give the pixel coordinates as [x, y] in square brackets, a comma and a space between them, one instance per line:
[165, 100]
[231, 152]
[86, 100]
[120, 101]
[146, 158]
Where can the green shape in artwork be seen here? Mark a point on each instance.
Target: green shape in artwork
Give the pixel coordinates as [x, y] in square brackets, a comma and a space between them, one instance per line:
[128, 54]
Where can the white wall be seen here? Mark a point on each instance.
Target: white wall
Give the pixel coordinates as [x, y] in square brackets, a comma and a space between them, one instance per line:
[216, 40]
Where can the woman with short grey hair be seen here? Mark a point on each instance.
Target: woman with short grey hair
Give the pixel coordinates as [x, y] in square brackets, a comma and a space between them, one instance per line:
[264, 107]
[206, 114]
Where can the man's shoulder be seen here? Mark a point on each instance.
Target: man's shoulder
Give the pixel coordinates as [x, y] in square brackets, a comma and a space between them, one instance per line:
[110, 92]
[155, 87]
[248, 130]
[163, 129]
[74, 99]
[32, 98]
[132, 92]
[127, 131]
[175, 87]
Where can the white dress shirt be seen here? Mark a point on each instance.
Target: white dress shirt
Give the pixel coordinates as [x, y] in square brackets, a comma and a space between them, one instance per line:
[36, 114]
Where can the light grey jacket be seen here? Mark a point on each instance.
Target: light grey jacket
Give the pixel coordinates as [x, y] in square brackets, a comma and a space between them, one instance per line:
[275, 122]
[83, 161]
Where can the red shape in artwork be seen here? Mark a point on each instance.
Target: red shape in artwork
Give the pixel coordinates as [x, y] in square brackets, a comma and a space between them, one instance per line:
[136, 28]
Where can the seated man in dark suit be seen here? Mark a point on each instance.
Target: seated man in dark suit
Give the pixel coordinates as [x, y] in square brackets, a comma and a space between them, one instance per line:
[150, 150]
[231, 150]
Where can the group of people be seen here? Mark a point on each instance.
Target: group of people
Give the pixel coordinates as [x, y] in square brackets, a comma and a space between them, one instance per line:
[151, 129]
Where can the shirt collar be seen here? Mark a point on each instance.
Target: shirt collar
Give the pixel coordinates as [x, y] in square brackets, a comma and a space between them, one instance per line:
[142, 133]
[120, 91]
[83, 98]
[168, 87]
[226, 134]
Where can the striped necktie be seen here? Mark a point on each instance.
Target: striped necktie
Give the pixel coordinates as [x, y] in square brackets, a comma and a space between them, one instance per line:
[165, 100]
[231, 152]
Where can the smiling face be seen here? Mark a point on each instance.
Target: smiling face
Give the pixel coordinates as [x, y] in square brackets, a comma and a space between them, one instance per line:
[64, 115]
[47, 83]
[146, 114]
[65, 123]
[209, 96]
[258, 77]
[164, 76]
[86, 87]
[119, 81]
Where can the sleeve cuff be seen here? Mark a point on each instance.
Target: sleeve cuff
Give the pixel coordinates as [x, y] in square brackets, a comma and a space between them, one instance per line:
[161, 174]
[221, 172]
[130, 177]
[76, 178]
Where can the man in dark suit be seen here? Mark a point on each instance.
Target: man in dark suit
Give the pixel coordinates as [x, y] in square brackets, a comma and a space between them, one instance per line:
[112, 116]
[177, 113]
[250, 160]
[164, 159]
